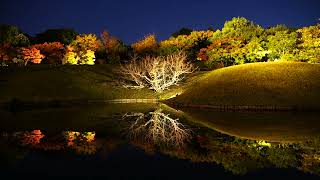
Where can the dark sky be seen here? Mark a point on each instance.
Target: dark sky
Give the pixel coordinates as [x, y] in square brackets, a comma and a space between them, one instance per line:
[130, 20]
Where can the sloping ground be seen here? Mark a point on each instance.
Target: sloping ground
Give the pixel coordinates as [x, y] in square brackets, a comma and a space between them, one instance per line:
[47, 83]
[268, 84]
[269, 126]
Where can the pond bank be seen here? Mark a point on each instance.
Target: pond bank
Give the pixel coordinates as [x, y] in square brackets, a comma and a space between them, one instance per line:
[16, 103]
[20, 104]
[240, 108]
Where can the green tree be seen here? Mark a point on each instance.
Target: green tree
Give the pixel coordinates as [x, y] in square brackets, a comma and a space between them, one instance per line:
[12, 35]
[282, 45]
[309, 48]
[239, 27]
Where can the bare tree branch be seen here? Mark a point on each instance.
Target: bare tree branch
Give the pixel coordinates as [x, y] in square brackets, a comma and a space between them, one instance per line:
[158, 128]
[157, 73]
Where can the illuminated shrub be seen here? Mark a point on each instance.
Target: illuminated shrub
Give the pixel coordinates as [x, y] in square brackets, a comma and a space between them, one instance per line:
[228, 50]
[191, 44]
[309, 49]
[31, 54]
[53, 52]
[86, 42]
[184, 42]
[239, 27]
[148, 45]
[281, 44]
[82, 49]
[70, 57]
[87, 57]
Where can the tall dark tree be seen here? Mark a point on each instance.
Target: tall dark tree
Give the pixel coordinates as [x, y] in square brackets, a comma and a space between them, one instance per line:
[10, 34]
[182, 31]
[64, 36]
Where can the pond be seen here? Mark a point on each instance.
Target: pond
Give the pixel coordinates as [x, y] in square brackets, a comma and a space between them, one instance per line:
[126, 141]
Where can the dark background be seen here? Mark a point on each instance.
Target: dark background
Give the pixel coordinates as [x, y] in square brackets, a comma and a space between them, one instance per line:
[130, 20]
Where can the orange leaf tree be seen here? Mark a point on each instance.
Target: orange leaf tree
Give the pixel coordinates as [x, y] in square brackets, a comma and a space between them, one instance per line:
[53, 52]
[148, 45]
[31, 54]
[114, 48]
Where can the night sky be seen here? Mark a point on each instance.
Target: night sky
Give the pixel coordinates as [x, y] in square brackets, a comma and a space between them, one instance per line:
[130, 20]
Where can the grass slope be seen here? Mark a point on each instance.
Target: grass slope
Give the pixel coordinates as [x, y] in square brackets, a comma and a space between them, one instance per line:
[45, 83]
[272, 83]
[269, 126]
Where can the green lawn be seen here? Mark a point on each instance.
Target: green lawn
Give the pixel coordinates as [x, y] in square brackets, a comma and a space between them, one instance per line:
[272, 83]
[46, 83]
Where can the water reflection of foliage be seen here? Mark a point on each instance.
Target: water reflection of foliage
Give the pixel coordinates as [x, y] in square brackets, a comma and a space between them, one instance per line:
[30, 138]
[242, 155]
[157, 128]
[235, 154]
[82, 143]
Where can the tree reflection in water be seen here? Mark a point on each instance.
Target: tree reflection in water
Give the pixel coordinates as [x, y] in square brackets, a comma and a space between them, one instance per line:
[30, 138]
[158, 128]
[157, 132]
[81, 142]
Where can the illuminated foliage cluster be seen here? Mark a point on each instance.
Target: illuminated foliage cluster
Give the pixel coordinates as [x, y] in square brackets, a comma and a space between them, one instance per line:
[282, 45]
[82, 49]
[231, 51]
[309, 49]
[31, 138]
[241, 41]
[147, 45]
[53, 52]
[31, 54]
[81, 142]
[185, 42]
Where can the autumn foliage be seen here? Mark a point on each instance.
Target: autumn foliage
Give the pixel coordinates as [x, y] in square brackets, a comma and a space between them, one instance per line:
[110, 42]
[147, 45]
[82, 49]
[53, 52]
[31, 54]
[186, 41]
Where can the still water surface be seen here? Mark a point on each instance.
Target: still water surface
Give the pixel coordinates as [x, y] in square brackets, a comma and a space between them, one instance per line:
[143, 141]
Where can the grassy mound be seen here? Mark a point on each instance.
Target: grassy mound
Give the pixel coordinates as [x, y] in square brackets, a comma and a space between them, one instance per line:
[46, 83]
[269, 84]
[269, 126]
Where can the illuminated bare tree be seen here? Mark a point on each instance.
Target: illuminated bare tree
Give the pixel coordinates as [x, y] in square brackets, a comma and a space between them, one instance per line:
[158, 128]
[157, 73]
